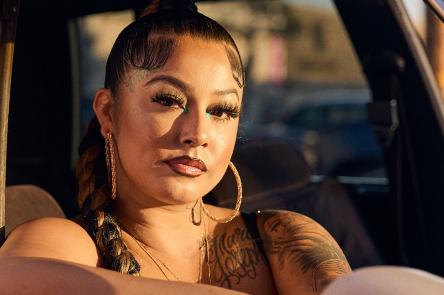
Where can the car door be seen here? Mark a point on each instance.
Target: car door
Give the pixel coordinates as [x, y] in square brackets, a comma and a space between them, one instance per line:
[407, 112]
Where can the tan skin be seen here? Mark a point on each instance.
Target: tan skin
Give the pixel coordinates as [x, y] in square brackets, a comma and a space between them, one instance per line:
[154, 202]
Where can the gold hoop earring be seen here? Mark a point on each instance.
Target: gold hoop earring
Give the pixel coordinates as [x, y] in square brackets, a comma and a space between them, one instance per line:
[238, 199]
[111, 163]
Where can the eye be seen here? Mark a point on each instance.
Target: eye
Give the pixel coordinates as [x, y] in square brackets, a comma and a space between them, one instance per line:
[169, 100]
[224, 112]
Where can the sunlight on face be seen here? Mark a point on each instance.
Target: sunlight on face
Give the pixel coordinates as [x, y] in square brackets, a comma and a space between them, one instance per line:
[175, 127]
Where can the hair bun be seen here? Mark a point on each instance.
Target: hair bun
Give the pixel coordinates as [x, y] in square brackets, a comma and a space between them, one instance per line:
[165, 5]
[177, 5]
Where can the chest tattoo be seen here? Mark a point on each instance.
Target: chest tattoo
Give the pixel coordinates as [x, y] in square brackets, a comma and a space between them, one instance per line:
[233, 256]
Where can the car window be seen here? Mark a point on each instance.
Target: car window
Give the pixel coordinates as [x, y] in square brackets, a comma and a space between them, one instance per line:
[306, 117]
[304, 82]
[93, 46]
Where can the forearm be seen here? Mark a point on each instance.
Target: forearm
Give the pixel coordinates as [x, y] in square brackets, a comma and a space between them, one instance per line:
[45, 276]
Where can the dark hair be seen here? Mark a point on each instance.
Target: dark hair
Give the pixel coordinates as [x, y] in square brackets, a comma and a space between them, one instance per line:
[149, 42]
[145, 44]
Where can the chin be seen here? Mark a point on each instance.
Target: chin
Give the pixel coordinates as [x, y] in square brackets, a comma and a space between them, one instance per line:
[179, 193]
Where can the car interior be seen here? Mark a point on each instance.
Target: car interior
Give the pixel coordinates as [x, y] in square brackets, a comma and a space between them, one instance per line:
[342, 121]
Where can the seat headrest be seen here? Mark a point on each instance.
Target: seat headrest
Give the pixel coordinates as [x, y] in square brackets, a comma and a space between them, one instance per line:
[264, 165]
[27, 202]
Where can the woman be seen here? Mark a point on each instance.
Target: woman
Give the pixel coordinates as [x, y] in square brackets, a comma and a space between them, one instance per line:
[164, 132]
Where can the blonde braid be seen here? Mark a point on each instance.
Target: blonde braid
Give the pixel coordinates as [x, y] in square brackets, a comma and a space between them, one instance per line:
[93, 198]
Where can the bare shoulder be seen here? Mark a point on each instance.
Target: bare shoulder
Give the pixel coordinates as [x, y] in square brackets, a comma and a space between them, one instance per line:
[299, 247]
[270, 222]
[55, 238]
[280, 229]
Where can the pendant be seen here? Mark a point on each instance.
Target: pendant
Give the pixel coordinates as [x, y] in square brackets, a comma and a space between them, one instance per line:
[196, 213]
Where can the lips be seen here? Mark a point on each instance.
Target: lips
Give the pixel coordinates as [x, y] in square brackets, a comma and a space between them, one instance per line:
[187, 166]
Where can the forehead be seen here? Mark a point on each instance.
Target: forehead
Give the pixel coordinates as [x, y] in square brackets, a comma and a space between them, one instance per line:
[196, 56]
[199, 65]
[195, 48]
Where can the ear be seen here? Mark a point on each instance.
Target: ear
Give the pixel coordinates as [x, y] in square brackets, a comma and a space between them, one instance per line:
[103, 107]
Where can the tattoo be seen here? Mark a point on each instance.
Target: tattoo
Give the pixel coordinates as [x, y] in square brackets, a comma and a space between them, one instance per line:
[233, 257]
[295, 240]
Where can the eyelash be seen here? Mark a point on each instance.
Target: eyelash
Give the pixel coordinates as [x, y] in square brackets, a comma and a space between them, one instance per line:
[217, 111]
[231, 111]
[169, 99]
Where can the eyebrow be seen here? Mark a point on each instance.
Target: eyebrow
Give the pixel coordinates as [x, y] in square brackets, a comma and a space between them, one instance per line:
[184, 86]
[227, 92]
[169, 79]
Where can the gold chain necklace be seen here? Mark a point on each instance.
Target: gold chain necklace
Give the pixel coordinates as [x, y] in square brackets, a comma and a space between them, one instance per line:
[207, 250]
[157, 260]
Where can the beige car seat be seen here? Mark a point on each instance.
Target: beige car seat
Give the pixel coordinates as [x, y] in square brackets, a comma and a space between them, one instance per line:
[27, 202]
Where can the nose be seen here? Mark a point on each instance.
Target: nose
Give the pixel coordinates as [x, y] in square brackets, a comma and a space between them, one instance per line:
[194, 129]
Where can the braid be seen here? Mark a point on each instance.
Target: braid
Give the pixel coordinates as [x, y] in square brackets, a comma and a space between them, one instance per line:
[93, 199]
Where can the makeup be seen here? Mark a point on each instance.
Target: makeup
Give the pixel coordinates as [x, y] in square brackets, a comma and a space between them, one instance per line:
[187, 166]
[169, 100]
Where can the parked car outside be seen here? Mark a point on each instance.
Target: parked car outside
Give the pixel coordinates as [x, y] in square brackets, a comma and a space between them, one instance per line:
[332, 130]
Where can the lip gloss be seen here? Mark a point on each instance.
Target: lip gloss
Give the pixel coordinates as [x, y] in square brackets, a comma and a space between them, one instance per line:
[187, 166]
[185, 169]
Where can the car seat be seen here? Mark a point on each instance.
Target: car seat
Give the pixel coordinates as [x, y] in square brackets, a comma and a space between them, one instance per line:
[27, 202]
[276, 176]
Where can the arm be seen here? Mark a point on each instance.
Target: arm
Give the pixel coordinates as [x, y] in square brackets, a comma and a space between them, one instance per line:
[57, 256]
[304, 258]
[387, 280]
[20, 275]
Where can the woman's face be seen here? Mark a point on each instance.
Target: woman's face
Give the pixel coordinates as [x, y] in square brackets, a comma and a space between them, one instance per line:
[175, 127]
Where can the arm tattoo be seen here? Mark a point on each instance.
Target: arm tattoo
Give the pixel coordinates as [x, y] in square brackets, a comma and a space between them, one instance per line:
[232, 257]
[296, 241]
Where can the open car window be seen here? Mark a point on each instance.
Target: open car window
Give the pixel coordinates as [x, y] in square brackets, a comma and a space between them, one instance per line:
[93, 46]
[305, 83]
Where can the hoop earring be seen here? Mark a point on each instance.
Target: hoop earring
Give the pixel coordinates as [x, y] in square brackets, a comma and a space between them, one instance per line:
[238, 199]
[111, 163]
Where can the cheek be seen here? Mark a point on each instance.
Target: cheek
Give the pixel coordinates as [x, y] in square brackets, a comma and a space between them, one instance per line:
[135, 125]
[223, 146]
[156, 129]
[141, 139]
[224, 140]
